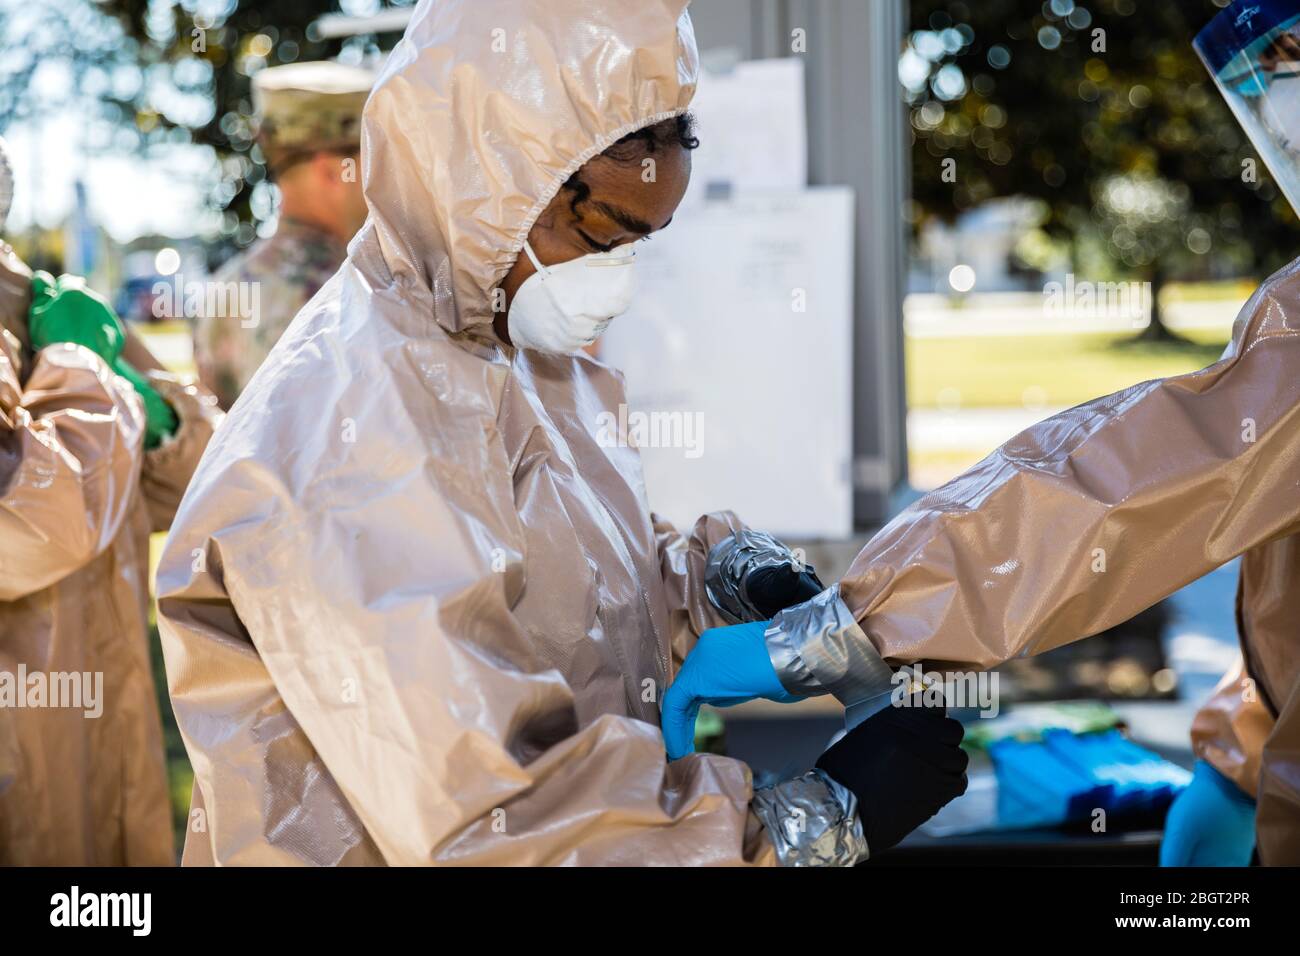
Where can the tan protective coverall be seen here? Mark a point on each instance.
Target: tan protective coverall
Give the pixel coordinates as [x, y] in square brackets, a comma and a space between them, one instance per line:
[79, 497]
[431, 617]
[1086, 518]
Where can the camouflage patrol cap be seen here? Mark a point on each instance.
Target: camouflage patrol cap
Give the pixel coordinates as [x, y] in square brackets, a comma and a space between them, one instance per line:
[305, 108]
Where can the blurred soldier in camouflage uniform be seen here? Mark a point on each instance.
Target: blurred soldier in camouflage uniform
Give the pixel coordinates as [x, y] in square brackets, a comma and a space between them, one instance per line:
[310, 132]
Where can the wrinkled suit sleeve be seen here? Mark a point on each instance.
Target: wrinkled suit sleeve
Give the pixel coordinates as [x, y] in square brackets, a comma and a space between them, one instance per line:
[1229, 731]
[682, 563]
[167, 468]
[70, 441]
[1083, 520]
[343, 703]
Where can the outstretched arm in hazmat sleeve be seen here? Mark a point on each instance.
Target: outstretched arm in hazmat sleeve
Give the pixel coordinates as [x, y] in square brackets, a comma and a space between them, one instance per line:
[1089, 517]
[1070, 528]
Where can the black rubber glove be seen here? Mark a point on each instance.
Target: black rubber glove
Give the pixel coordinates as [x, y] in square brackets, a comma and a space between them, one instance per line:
[771, 590]
[903, 764]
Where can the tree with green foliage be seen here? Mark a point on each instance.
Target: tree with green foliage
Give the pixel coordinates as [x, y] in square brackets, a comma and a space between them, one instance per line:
[214, 49]
[1102, 111]
[176, 71]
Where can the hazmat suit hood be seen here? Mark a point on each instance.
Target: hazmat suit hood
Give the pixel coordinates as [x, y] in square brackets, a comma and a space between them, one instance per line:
[415, 608]
[484, 110]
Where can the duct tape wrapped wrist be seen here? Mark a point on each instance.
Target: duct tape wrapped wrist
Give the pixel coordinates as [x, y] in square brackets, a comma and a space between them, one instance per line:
[736, 562]
[817, 647]
[812, 821]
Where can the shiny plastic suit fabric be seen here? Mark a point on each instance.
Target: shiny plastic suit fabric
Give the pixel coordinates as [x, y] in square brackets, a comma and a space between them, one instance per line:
[431, 617]
[1088, 517]
[79, 497]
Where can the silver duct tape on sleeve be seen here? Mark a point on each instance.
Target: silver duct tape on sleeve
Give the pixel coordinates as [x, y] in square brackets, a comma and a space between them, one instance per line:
[812, 821]
[818, 648]
[730, 563]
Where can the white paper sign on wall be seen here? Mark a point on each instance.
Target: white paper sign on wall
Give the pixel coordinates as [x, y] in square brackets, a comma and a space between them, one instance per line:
[738, 358]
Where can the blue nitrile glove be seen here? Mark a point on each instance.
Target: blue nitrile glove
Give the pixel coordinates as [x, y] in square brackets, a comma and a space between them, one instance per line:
[729, 665]
[1212, 823]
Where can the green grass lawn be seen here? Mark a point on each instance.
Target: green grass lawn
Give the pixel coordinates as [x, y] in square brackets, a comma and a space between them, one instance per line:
[1060, 370]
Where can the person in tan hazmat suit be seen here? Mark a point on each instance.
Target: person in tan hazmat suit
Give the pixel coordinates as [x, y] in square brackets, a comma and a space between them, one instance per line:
[97, 443]
[414, 609]
[1072, 527]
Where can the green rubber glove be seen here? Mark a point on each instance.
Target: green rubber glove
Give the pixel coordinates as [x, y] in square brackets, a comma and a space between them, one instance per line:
[160, 420]
[64, 310]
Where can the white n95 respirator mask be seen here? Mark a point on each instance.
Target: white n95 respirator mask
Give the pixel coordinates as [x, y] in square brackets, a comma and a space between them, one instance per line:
[563, 307]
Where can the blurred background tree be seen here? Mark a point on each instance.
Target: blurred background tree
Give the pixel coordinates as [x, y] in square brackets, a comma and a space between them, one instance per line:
[214, 48]
[1102, 111]
[168, 71]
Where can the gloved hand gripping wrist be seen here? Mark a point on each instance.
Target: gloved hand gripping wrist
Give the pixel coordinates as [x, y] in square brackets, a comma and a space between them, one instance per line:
[903, 764]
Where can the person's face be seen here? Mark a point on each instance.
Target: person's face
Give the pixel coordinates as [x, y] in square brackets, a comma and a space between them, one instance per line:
[329, 185]
[628, 201]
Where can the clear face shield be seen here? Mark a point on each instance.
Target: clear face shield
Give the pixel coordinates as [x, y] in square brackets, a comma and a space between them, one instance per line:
[1252, 49]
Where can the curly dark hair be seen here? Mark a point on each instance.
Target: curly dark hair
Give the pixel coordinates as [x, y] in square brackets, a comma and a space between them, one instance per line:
[635, 146]
[679, 129]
